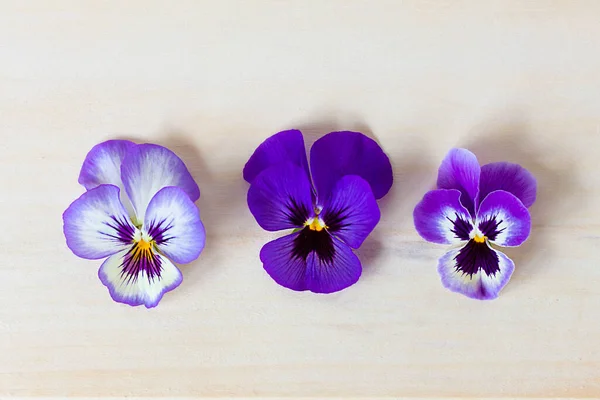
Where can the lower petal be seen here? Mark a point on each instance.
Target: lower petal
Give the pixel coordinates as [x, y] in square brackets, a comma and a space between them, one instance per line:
[141, 288]
[97, 225]
[481, 284]
[319, 272]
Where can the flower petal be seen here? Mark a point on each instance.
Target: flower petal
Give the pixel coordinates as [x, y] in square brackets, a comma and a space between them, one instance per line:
[503, 219]
[511, 178]
[102, 164]
[349, 153]
[97, 225]
[441, 218]
[460, 170]
[330, 267]
[149, 168]
[351, 211]
[280, 197]
[173, 222]
[481, 284]
[283, 147]
[142, 287]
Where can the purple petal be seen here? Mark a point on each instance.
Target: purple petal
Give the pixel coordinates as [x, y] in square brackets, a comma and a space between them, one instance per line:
[349, 153]
[97, 225]
[102, 164]
[280, 198]
[147, 169]
[283, 147]
[509, 177]
[173, 222]
[441, 218]
[351, 211]
[141, 287]
[481, 283]
[460, 170]
[293, 265]
[503, 219]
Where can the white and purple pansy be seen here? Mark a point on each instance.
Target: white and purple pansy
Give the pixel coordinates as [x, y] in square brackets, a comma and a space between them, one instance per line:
[138, 212]
[331, 212]
[474, 207]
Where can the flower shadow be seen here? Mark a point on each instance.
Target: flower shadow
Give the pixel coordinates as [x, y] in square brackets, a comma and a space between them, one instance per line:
[556, 183]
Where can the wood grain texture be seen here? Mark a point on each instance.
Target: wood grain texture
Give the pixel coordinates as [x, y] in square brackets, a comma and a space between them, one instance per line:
[510, 80]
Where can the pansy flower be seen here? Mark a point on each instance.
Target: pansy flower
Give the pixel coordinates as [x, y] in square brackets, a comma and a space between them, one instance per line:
[474, 207]
[330, 214]
[139, 212]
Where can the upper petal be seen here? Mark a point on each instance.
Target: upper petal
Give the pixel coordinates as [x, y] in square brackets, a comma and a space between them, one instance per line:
[460, 170]
[97, 225]
[102, 165]
[349, 153]
[441, 218]
[173, 222]
[476, 270]
[283, 147]
[351, 211]
[503, 219]
[280, 197]
[509, 177]
[147, 168]
[293, 263]
[134, 284]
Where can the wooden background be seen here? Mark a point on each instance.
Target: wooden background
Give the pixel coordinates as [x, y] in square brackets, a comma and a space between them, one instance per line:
[510, 80]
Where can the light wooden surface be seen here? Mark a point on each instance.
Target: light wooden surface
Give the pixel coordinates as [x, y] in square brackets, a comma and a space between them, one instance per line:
[511, 80]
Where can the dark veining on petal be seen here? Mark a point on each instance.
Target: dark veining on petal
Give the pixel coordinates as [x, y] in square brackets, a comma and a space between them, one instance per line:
[335, 220]
[141, 258]
[309, 241]
[159, 231]
[297, 214]
[489, 227]
[475, 256]
[124, 230]
[462, 229]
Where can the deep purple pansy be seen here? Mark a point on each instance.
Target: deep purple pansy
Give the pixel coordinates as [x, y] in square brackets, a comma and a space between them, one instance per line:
[330, 214]
[139, 212]
[474, 207]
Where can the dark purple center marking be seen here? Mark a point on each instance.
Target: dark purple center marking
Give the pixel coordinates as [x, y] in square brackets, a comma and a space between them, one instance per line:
[490, 227]
[141, 258]
[124, 230]
[159, 231]
[461, 228]
[475, 256]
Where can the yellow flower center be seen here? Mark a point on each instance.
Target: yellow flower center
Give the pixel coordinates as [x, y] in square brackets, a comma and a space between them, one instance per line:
[479, 238]
[143, 249]
[315, 224]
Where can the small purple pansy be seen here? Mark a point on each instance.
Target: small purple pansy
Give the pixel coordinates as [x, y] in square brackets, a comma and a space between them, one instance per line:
[474, 207]
[139, 212]
[331, 212]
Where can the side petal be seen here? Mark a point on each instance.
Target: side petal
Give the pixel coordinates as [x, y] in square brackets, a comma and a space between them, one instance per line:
[441, 218]
[97, 225]
[503, 219]
[290, 265]
[142, 288]
[283, 147]
[147, 168]
[173, 222]
[102, 164]
[511, 178]
[280, 197]
[351, 211]
[349, 153]
[460, 170]
[482, 284]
